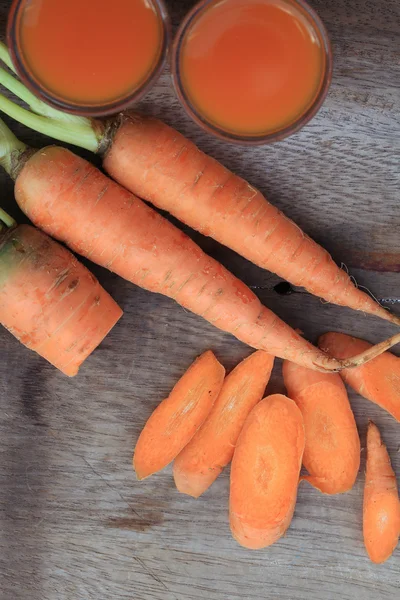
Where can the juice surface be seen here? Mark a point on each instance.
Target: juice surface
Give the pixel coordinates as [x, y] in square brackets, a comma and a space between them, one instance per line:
[90, 51]
[252, 66]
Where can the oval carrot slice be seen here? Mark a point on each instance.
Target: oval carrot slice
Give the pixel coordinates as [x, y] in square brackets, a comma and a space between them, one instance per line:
[381, 512]
[332, 450]
[175, 421]
[211, 449]
[265, 472]
[377, 380]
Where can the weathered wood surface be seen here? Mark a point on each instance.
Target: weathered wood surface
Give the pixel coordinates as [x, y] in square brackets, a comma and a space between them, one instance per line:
[74, 523]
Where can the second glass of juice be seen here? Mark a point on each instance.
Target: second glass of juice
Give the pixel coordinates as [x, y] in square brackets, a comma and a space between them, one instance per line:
[252, 71]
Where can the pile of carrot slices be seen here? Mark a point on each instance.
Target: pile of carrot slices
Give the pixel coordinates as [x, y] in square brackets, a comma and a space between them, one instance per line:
[210, 420]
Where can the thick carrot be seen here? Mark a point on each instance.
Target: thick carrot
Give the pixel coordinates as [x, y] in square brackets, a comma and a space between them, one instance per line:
[381, 512]
[160, 165]
[211, 449]
[49, 301]
[378, 380]
[265, 472]
[332, 451]
[74, 202]
[175, 421]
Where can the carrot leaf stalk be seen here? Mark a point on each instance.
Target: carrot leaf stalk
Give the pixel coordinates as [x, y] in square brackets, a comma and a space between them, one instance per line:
[11, 149]
[6, 220]
[79, 134]
[5, 57]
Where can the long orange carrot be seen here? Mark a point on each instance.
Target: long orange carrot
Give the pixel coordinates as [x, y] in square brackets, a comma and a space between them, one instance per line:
[74, 202]
[265, 472]
[175, 421]
[381, 513]
[332, 451]
[378, 380]
[160, 165]
[211, 449]
[48, 300]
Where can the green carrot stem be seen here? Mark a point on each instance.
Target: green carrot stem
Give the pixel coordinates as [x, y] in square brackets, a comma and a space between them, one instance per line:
[5, 56]
[10, 148]
[39, 107]
[6, 219]
[82, 135]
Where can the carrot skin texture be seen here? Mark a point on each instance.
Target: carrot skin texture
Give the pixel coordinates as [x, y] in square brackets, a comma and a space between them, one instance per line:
[175, 421]
[74, 202]
[381, 510]
[211, 449]
[332, 450]
[49, 301]
[377, 380]
[160, 165]
[265, 472]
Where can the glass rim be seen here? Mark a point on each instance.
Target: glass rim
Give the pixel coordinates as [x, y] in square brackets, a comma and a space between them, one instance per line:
[89, 110]
[243, 139]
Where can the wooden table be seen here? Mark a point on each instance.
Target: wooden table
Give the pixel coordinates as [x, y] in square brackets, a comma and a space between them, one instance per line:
[74, 523]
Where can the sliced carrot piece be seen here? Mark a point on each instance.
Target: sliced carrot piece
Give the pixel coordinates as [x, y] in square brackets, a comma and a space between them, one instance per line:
[211, 449]
[175, 421]
[381, 513]
[377, 380]
[265, 472]
[332, 451]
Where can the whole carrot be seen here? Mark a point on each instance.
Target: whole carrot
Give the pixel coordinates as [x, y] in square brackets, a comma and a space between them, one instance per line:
[381, 512]
[332, 451]
[378, 381]
[74, 202]
[211, 449]
[265, 472]
[48, 300]
[160, 165]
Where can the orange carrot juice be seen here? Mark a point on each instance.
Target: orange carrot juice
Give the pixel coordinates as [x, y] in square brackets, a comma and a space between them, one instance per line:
[89, 51]
[251, 67]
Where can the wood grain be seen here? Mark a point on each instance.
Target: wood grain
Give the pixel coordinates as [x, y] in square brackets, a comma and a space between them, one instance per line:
[74, 523]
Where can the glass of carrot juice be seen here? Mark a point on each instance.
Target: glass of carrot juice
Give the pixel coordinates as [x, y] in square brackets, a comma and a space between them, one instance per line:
[252, 71]
[90, 57]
